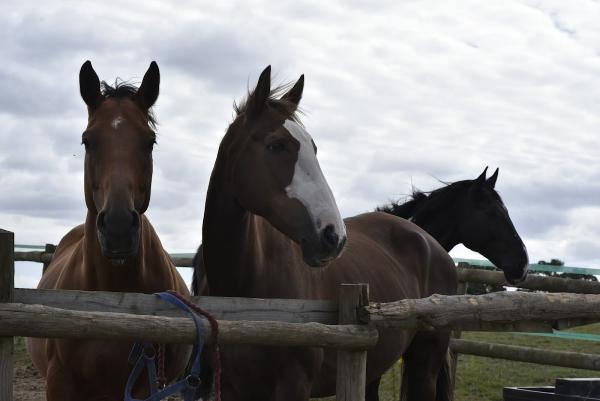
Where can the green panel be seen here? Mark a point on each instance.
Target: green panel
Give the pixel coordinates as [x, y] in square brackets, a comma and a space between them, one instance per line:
[21, 246]
[565, 334]
[182, 255]
[534, 267]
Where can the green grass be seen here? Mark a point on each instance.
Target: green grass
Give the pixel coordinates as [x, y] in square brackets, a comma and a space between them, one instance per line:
[20, 352]
[482, 379]
[479, 379]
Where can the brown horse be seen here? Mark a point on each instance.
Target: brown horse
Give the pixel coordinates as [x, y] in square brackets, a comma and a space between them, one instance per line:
[272, 229]
[116, 249]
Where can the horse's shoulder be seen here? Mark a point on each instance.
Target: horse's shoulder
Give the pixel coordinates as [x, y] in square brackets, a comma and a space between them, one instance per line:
[158, 257]
[69, 242]
[146, 225]
[148, 230]
[63, 255]
[150, 236]
[74, 235]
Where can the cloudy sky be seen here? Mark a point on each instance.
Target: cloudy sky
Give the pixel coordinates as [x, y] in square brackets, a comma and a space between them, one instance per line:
[397, 93]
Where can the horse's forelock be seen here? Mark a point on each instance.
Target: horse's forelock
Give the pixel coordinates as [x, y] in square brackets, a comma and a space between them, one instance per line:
[125, 90]
[287, 108]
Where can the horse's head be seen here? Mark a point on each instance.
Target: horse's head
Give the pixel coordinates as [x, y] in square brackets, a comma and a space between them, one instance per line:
[118, 144]
[273, 172]
[487, 228]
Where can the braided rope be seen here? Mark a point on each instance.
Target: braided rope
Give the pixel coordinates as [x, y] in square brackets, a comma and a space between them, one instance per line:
[216, 360]
[161, 376]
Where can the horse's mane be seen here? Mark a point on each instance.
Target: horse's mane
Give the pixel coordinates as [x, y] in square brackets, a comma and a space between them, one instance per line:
[421, 202]
[124, 90]
[406, 209]
[283, 106]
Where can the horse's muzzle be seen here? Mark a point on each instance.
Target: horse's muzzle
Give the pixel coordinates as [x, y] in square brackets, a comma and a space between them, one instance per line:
[118, 233]
[327, 247]
[516, 273]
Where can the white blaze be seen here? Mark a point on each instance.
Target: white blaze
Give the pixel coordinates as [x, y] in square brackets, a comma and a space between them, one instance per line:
[116, 122]
[309, 185]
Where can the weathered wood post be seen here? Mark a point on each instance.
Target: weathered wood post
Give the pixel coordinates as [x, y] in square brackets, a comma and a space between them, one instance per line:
[351, 365]
[461, 289]
[7, 279]
[49, 248]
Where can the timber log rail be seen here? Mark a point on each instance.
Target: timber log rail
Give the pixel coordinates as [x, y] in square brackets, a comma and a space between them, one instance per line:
[348, 324]
[499, 311]
[466, 274]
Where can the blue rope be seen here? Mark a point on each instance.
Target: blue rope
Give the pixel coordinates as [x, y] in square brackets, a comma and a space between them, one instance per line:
[143, 356]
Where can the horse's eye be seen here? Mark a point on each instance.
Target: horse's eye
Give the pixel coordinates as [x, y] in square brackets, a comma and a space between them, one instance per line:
[152, 143]
[276, 147]
[85, 143]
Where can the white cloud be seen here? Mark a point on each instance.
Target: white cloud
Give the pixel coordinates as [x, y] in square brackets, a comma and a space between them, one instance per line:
[398, 94]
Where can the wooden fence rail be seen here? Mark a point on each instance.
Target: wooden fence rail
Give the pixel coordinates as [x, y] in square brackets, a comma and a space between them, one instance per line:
[46, 257]
[576, 360]
[532, 282]
[45, 321]
[500, 311]
[224, 308]
[465, 274]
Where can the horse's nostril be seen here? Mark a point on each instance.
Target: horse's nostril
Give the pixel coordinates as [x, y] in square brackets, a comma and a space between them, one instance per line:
[100, 221]
[330, 237]
[135, 219]
[342, 244]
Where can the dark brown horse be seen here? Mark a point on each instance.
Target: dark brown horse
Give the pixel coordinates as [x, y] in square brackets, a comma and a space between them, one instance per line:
[116, 249]
[469, 212]
[272, 229]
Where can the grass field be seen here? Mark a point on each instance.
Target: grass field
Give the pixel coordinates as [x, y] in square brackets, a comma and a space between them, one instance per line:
[478, 379]
[482, 379]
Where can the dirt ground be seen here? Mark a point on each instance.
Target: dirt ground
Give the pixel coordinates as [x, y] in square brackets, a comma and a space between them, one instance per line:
[28, 384]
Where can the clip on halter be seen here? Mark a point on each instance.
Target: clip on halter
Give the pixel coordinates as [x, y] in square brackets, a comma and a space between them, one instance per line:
[143, 355]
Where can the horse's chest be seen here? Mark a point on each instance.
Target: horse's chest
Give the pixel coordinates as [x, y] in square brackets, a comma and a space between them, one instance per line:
[95, 360]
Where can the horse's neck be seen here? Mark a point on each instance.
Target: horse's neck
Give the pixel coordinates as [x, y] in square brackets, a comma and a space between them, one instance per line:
[441, 225]
[243, 254]
[100, 274]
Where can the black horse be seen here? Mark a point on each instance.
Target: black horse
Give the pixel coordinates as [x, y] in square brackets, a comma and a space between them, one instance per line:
[469, 212]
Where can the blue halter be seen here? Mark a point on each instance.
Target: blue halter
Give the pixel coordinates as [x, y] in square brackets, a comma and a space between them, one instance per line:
[143, 356]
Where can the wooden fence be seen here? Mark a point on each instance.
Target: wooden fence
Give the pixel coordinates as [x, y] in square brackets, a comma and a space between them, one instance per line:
[349, 324]
[143, 317]
[466, 274]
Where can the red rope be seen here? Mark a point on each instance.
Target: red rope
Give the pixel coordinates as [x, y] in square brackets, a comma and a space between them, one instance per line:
[216, 360]
[161, 377]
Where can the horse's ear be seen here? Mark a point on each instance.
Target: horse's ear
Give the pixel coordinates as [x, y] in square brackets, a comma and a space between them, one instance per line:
[492, 180]
[295, 94]
[258, 99]
[89, 85]
[148, 92]
[481, 178]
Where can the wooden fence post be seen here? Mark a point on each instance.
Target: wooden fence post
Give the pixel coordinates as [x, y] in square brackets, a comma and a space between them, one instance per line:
[351, 365]
[7, 278]
[461, 289]
[49, 248]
